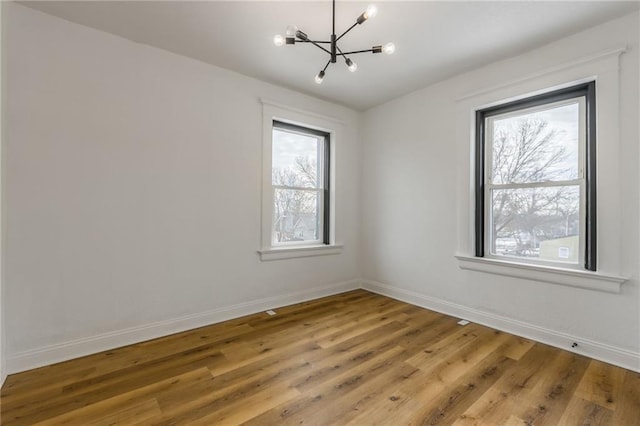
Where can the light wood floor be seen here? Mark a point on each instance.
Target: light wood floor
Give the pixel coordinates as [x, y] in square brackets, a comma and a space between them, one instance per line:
[355, 358]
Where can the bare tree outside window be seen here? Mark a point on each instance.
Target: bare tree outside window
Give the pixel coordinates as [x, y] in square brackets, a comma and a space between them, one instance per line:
[534, 184]
[297, 180]
[295, 211]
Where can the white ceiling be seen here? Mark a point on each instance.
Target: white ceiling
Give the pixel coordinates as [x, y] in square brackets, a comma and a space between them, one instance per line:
[434, 40]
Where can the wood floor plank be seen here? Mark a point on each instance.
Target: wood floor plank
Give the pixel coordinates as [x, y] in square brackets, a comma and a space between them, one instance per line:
[114, 360]
[86, 413]
[235, 415]
[511, 391]
[349, 354]
[406, 396]
[367, 399]
[467, 356]
[464, 391]
[355, 358]
[135, 414]
[440, 371]
[363, 324]
[551, 395]
[443, 348]
[223, 393]
[627, 411]
[235, 411]
[601, 384]
[329, 393]
[582, 412]
[103, 387]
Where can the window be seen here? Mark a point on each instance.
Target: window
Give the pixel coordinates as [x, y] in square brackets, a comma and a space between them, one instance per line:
[300, 183]
[535, 179]
[299, 150]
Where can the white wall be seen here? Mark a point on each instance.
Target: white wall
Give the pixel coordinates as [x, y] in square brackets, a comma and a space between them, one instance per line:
[411, 181]
[3, 370]
[133, 185]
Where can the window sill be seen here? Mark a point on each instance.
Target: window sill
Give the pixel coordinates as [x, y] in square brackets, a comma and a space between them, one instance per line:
[299, 251]
[567, 277]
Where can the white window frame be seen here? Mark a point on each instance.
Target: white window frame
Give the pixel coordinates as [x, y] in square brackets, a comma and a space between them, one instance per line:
[271, 250]
[602, 67]
[580, 182]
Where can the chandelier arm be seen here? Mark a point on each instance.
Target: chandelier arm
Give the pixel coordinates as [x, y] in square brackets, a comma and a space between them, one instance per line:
[354, 52]
[315, 43]
[326, 66]
[344, 55]
[343, 34]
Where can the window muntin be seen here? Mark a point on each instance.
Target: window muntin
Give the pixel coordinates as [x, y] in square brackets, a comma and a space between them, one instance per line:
[300, 185]
[535, 178]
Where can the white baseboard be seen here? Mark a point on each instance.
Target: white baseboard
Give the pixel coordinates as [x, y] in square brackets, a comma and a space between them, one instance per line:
[3, 366]
[600, 351]
[90, 345]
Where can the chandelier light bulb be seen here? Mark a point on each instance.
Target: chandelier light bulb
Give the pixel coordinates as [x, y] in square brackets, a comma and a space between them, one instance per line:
[352, 66]
[371, 11]
[389, 48]
[319, 77]
[291, 30]
[278, 40]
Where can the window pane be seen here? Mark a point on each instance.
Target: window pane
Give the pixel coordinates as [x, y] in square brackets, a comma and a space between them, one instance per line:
[296, 215]
[538, 223]
[536, 146]
[295, 159]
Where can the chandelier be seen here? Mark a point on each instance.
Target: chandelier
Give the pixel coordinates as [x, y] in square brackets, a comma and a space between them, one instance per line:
[294, 35]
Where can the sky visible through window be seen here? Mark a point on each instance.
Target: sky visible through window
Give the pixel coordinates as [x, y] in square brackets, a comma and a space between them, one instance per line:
[564, 121]
[288, 146]
[296, 176]
[531, 215]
